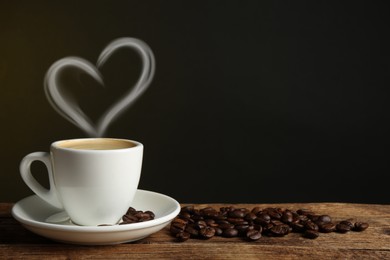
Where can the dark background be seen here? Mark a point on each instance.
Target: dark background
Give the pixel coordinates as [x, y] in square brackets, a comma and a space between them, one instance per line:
[252, 101]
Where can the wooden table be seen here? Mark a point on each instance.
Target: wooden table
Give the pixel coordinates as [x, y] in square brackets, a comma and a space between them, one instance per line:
[374, 243]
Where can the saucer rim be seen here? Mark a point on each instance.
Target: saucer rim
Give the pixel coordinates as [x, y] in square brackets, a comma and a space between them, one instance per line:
[98, 229]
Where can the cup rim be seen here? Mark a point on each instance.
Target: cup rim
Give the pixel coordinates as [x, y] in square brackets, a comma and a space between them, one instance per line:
[56, 145]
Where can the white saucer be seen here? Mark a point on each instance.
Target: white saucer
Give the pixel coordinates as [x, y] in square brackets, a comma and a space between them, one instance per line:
[33, 213]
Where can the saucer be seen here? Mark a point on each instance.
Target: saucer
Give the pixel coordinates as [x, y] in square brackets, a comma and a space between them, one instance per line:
[33, 213]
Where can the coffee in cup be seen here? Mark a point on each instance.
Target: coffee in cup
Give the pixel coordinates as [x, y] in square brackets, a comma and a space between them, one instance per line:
[93, 179]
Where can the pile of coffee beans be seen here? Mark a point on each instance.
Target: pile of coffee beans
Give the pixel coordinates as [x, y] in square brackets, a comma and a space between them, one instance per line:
[253, 224]
[135, 216]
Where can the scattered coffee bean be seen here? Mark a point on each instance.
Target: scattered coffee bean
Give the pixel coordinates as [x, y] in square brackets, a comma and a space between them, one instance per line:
[135, 216]
[327, 227]
[252, 224]
[253, 235]
[360, 226]
[310, 233]
[230, 232]
[343, 227]
[182, 236]
[207, 232]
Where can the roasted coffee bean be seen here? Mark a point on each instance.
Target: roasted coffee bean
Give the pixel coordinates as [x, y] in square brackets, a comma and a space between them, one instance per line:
[276, 222]
[360, 226]
[218, 231]
[250, 216]
[313, 217]
[348, 223]
[180, 220]
[200, 224]
[192, 230]
[303, 218]
[287, 217]
[236, 214]
[130, 211]
[324, 219]
[297, 227]
[207, 232]
[274, 214]
[231, 222]
[312, 234]
[174, 230]
[224, 226]
[182, 236]
[230, 232]
[211, 223]
[129, 219]
[185, 215]
[311, 226]
[267, 226]
[179, 225]
[235, 220]
[253, 234]
[343, 227]
[327, 227]
[262, 219]
[227, 209]
[256, 210]
[280, 230]
[242, 228]
[189, 209]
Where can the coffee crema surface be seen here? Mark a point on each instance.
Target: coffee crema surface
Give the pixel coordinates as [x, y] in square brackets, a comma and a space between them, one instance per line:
[97, 144]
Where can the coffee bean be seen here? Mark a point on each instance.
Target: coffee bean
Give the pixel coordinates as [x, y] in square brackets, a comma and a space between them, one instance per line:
[250, 216]
[236, 214]
[262, 219]
[150, 213]
[235, 220]
[297, 227]
[324, 219]
[360, 226]
[287, 217]
[129, 219]
[218, 231]
[253, 234]
[230, 232]
[311, 226]
[312, 234]
[130, 211]
[174, 230]
[242, 228]
[348, 223]
[280, 230]
[189, 209]
[224, 226]
[192, 230]
[231, 222]
[343, 227]
[200, 224]
[256, 210]
[327, 227]
[179, 225]
[182, 236]
[273, 213]
[207, 232]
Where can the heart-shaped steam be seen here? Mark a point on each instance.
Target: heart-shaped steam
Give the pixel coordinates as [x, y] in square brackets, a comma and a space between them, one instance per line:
[72, 112]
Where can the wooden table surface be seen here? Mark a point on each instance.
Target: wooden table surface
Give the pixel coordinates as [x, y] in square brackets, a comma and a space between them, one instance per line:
[374, 243]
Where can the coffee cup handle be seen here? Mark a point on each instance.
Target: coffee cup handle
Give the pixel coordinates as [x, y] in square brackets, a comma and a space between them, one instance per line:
[48, 195]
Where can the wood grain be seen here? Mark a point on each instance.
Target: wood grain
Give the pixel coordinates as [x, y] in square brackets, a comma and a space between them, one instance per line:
[374, 243]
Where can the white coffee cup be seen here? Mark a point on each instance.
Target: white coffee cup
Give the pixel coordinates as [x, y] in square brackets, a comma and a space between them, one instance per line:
[93, 179]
